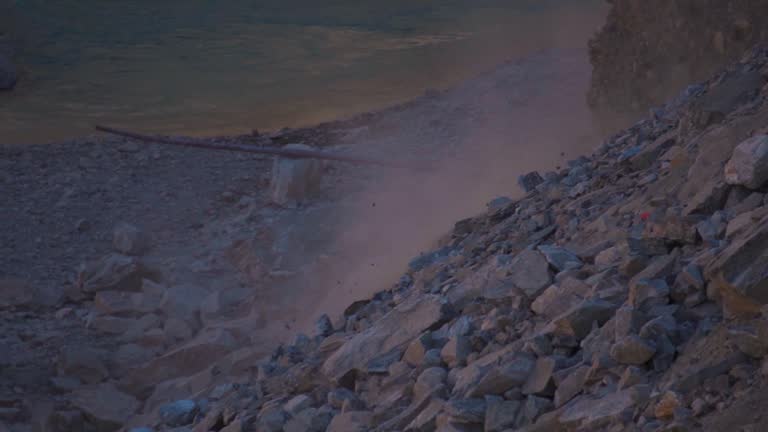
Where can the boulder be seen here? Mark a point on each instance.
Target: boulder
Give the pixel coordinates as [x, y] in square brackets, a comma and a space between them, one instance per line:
[577, 322]
[395, 330]
[104, 406]
[559, 258]
[738, 271]
[632, 350]
[352, 421]
[295, 180]
[179, 413]
[8, 74]
[116, 272]
[128, 239]
[748, 165]
[529, 271]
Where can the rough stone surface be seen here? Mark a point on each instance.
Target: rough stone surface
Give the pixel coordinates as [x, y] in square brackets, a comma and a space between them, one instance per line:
[632, 350]
[104, 405]
[529, 271]
[749, 164]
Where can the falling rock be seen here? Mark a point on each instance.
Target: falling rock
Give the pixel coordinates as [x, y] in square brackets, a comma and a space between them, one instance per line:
[352, 421]
[560, 258]
[632, 350]
[578, 321]
[295, 180]
[529, 271]
[104, 405]
[748, 165]
[179, 413]
[395, 329]
[528, 182]
[116, 272]
[129, 240]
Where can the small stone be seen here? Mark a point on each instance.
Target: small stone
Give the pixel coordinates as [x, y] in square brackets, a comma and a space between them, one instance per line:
[632, 350]
[456, 351]
[528, 182]
[414, 354]
[632, 376]
[560, 258]
[665, 408]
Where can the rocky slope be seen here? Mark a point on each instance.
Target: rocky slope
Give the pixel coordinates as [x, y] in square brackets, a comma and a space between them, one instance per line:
[622, 293]
[640, 60]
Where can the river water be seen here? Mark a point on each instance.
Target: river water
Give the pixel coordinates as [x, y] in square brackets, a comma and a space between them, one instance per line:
[202, 67]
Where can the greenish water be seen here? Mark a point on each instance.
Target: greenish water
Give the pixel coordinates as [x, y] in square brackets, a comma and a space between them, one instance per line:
[207, 66]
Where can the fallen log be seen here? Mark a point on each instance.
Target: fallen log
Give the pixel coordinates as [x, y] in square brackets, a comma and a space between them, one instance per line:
[275, 151]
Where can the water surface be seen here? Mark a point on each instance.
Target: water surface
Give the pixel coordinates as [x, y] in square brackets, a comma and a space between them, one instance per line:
[208, 67]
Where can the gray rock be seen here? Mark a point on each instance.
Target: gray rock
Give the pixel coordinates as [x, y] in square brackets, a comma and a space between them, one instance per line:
[104, 405]
[466, 410]
[501, 414]
[353, 421]
[628, 320]
[428, 382]
[295, 180]
[540, 382]
[578, 321]
[129, 239]
[533, 408]
[529, 271]
[748, 165]
[528, 182]
[632, 376]
[645, 293]
[572, 385]
[396, 329]
[498, 203]
[456, 351]
[179, 413]
[495, 379]
[632, 350]
[560, 258]
[116, 272]
[414, 354]
[432, 358]
[8, 74]
[297, 404]
[324, 326]
[426, 420]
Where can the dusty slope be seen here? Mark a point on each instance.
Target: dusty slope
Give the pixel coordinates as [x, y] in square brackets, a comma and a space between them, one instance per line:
[623, 293]
[221, 255]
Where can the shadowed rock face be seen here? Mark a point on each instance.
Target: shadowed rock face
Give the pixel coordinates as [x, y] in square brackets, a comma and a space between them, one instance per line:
[641, 60]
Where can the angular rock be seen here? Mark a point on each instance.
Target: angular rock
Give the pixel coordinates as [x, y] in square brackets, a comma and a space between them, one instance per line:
[665, 408]
[628, 320]
[428, 382]
[533, 408]
[414, 354]
[529, 271]
[578, 321]
[748, 165]
[104, 405]
[560, 258]
[340, 396]
[297, 404]
[554, 301]
[590, 413]
[501, 415]
[632, 350]
[738, 271]
[750, 342]
[323, 326]
[426, 420]
[539, 382]
[466, 410]
[528, 182]
[295, 180]
[495, 379]
[456, 351]
[645, 293]
[116, 272]
[572, 385]
[396, 329]
[179, 413]
[129, 240]
[632, 376]
[84, 363]
[353, 421]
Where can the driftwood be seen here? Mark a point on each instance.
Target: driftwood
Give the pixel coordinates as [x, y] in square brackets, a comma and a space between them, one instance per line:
[275, 151]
